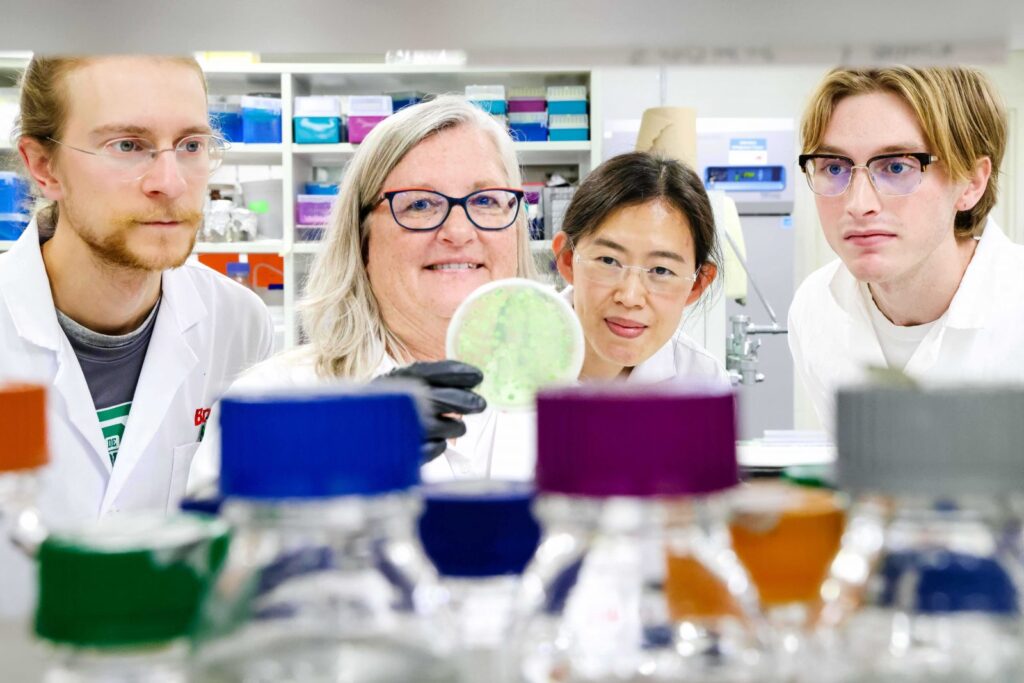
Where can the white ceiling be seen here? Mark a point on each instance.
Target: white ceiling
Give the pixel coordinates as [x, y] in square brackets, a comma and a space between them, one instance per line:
[531, 32]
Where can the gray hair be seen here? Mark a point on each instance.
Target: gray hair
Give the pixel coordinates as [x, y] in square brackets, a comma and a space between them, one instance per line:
[339, 312]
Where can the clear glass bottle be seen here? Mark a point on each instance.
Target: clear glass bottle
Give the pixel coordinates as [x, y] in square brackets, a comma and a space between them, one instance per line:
[928, 583]
[480, 535]
[635, 578]
[326, 580]
[786, 533]
[239, 272]
[22, 457]
[118, 598]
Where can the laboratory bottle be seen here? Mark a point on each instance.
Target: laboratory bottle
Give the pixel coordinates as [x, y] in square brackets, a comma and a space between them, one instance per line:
[927, 584]
[786, 531]
[480, 535]
[239, 272]
[635, 578]
[22, 457]
[119, 598]
[326, 580]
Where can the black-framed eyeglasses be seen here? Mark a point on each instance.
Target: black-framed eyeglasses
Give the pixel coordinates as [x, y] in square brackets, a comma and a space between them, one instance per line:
[492, 208]
[895, 174]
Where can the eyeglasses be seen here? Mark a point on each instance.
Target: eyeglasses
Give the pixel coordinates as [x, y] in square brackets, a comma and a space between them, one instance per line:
[197, 155]
[895, 174]
[493, 208]
[604, 269]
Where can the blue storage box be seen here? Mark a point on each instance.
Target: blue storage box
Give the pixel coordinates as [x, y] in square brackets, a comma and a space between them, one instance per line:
[528, 126]
[321, 188]
[12, 225]
[226, 116]
[261, 119]
[317, 120]
[406, 98]
[14, 194]
[568, 128]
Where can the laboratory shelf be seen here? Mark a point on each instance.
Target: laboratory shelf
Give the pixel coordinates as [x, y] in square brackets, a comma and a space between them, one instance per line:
[306, 247]
[257, 247]
[259, 154]
[529, 153]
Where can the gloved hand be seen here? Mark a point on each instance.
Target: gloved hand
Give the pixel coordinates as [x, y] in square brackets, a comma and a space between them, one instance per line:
[448, 385]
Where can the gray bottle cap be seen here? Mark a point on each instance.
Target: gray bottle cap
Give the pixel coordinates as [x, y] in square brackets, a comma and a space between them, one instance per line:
[931, 441]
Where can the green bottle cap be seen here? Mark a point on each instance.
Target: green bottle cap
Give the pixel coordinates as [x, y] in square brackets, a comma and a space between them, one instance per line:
[127, 581]
[812, 476]
[522, 335]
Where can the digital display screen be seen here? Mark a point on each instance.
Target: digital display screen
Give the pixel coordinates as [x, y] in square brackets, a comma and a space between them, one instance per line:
[754, 178]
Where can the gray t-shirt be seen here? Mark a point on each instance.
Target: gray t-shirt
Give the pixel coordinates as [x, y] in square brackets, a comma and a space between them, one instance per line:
[111, 365]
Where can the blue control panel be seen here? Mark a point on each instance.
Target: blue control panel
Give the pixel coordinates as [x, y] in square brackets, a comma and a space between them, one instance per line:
[745, 178]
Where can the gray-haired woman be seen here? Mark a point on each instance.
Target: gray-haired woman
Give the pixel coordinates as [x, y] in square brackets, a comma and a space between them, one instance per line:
[429, 210]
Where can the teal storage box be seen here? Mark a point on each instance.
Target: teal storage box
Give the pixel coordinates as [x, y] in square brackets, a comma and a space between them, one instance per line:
[317, 120]
[569, 128]
[567, 99]
[490, 98]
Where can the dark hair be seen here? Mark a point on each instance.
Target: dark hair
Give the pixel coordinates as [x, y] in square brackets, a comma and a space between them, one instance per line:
[637, 178]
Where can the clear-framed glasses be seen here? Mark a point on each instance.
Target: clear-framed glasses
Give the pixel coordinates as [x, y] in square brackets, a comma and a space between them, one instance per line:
[603, 268]
[197, 155]
[895, 174]
[493, 208]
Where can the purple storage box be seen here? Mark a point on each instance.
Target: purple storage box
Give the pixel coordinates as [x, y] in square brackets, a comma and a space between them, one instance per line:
[527, 106]
[313, 209]
[360, 126]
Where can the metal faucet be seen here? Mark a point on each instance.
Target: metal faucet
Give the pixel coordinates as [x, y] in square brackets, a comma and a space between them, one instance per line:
[742, 345]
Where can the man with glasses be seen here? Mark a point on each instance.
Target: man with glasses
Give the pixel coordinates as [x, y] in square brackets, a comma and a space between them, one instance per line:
[904, 165]
[96, 298]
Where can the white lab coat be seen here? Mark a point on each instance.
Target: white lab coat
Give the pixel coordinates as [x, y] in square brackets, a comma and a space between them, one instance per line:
[979, 339]
[208, 330]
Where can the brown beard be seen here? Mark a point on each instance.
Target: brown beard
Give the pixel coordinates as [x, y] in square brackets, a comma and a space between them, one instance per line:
[113, 248]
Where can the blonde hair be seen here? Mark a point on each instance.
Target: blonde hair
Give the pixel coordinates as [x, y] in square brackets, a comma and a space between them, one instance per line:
[958, 109]
[44, 108]
[339, 312]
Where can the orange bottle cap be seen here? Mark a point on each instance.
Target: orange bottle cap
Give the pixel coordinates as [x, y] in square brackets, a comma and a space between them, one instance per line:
[22, 427]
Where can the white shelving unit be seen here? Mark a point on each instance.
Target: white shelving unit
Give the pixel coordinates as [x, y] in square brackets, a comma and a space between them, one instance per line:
[294, 163]
[298, 161]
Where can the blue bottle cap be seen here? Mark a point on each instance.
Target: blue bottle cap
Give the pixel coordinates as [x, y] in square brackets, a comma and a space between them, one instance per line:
[479, 528]
[339, 440]
[237, 268]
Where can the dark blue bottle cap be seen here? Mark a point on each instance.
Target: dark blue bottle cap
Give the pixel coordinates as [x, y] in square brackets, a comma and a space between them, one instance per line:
[478, 529]
[319, 443]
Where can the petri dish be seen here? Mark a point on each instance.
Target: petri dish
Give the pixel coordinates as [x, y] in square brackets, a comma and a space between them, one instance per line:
[522, 335]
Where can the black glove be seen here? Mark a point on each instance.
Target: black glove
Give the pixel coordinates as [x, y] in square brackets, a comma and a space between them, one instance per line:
[448, 384]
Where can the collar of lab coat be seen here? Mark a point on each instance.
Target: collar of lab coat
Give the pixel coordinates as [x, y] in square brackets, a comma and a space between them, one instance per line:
[972, 304]
[27, 292]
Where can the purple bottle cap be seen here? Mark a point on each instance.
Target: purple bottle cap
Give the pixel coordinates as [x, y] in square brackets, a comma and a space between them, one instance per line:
[618, 439]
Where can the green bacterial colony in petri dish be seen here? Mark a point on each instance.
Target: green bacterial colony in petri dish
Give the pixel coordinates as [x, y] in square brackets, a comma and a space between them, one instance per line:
[521, 340]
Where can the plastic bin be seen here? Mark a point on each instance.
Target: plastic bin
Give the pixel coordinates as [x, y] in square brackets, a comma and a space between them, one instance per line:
[317, 120]
[567, 99]
[14, 195]
[364, 113]
[528, 127]
[527, 100]
[313, 209]
[12, 225]
[406, 98]
[226, 116]
[569, 128]
[320, 188]
[490, 98]
[261, 119]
